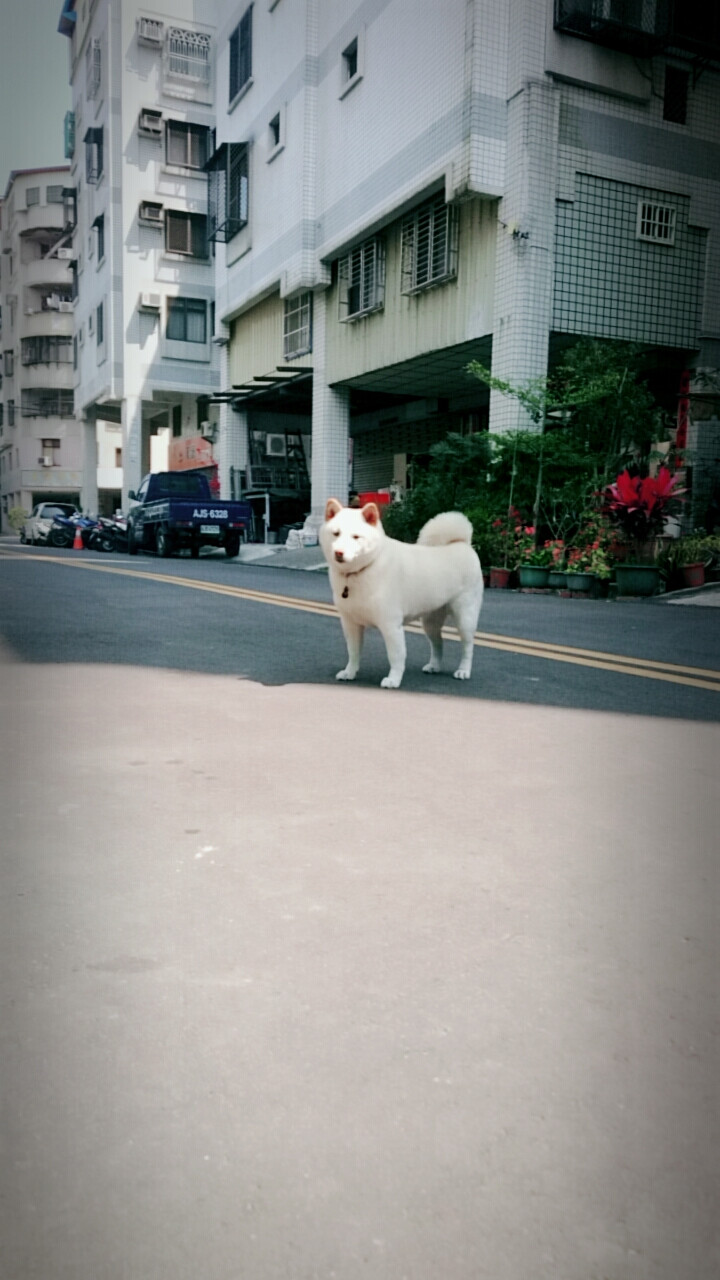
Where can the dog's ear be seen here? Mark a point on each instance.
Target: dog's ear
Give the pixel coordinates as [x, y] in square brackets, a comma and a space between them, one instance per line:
[371, 513]
[332, 507]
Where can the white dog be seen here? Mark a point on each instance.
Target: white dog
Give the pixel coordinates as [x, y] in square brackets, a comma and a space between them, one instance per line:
[380, 582]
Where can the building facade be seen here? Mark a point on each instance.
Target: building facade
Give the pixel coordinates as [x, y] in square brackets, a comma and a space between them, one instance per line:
[41, 453]
[388, 201]
[138, 138]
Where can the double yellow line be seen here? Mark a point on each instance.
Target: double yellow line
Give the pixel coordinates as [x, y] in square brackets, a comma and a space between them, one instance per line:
[619, 664]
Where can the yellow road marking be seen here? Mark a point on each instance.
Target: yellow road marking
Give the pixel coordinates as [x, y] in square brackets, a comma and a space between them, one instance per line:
[620, 664]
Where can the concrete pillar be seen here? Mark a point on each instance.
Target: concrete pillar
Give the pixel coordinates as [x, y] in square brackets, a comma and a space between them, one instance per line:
[330, 425]
[132, 445]
[89, 495]
[231, 450]
[524, 268]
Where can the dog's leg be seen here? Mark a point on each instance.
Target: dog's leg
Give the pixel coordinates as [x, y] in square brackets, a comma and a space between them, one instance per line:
[353, 639]
[432, 626]
[465, 612]
[394, 638]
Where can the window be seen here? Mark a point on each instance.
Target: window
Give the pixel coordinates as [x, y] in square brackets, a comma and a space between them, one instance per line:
[93, 69]
[350, 60]
[9, 363]
[69, 135]
[186, 144]
[297, 325]
[75, 352]
[99, 325]
[177, 420]
[118, 457]
[46, 403]
[187, 55]
[362, 280]
[429, 245]
[54, 195]
[187, 320]
[49, 349]
[351, 64]
[241, 54]
[11, 413]
[675, 98]
[186, 233]
[274, 128]
[228, 191]
[32, 196]
[99, 225]
[656, 222]
[93, 155]
[50, 454]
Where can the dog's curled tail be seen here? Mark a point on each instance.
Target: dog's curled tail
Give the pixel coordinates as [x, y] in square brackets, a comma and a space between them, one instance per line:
[449, 526]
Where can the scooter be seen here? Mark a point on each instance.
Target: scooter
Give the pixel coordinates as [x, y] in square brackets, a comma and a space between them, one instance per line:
[62, 531]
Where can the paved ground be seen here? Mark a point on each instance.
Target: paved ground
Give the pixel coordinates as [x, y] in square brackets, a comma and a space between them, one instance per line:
[302, 982]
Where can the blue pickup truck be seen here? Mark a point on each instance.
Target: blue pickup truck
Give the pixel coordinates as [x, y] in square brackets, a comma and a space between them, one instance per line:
[175, 510]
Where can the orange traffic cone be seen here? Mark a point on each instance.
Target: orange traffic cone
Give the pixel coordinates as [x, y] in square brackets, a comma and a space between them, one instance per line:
[77, 540]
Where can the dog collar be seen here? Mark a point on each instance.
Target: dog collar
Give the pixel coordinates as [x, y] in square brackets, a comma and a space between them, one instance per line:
[353, 574]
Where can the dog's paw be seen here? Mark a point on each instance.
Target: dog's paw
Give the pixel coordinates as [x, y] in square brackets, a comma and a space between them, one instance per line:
[346, 674]
[432, 668]
[460, 674]
[390, 682]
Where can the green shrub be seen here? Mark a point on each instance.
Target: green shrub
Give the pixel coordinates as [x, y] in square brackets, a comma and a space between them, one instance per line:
[16, 518]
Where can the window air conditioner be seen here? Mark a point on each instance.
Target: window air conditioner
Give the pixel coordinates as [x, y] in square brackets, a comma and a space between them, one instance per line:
[208, 431]
[149, 301]
[275, 446]
[65, 306]
[46, 461]
[65, 254]
[150, 212]
[150, 123]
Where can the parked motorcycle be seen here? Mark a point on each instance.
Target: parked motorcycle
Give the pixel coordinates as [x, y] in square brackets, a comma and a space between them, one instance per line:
[62, 531]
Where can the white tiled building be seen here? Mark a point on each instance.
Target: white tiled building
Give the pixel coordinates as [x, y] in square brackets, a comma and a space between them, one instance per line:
[41, 455]
[139, 136]
[400, 186]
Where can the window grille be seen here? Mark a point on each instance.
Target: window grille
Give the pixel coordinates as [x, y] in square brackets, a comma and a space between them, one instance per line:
[9, 363]
[48, 349]
[100, 325]
[54, 195]
[93, 69]
[187, 320]
[228, 191]
[186, 233]
[93, 155]
[11, 413]
[149, 31]
[99, 225]
[362, 280]
[241, 54]
[32, 196]
[48, 402]
[69, 134]
[187, 55]
[297, 325]
[186, 144]
[69, 208]
[429, 245]
[656, 222]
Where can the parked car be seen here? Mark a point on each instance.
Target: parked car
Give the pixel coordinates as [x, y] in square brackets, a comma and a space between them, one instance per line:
[39, 523]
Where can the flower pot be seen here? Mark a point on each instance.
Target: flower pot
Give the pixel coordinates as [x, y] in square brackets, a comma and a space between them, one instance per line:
[557, 579]
[579, 581]
[533, 575]
[637, 579]
[693, 575]
[499, 577]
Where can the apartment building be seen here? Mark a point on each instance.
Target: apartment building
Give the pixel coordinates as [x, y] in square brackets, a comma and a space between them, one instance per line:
[41, 454]
[137, 139]
[398, 187]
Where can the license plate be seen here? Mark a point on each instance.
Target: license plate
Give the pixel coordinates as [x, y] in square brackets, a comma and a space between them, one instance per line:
[209, 528]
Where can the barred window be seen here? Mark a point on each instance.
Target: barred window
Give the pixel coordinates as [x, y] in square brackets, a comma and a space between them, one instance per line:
[656, 222]
[186, 144]
[241, 54]
[362, 280]
[94, 160]
[429, 245]
[37, 402]
[54, 195]
[100, 325]
[228, 191]
[32, 196]
[93, 69]
[48, 349]
[187, 320]
[186, 233]
[187, 55]
[297, 325]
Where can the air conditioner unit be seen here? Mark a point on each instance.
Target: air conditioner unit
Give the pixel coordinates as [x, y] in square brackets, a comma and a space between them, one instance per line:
[150, 32]
[65, 254]
[150, 301]
[65, 306]
[150, 212]
[275, 446]
[209, 431]
[150, 123]
[46, 462]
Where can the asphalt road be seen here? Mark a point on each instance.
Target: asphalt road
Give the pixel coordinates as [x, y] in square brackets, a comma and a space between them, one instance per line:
[301, 980]
[278, 627]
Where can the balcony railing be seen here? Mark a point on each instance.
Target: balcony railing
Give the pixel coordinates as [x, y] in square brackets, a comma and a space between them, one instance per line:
[638, 27]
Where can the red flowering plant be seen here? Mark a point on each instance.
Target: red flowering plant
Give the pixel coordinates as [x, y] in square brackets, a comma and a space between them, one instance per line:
[591, 548]
[556, 550]
[640, 505]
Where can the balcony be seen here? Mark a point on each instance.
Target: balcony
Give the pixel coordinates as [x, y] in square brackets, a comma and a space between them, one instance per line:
[52, 272]
[637, 27]
[40, 217]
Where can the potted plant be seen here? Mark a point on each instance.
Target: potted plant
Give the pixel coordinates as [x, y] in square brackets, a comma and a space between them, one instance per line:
[534, 567]
[685, 560]
[640, 506]
[556, 575]
[578, 574]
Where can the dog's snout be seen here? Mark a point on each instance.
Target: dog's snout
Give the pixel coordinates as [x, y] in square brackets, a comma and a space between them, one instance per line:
[340, 556]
